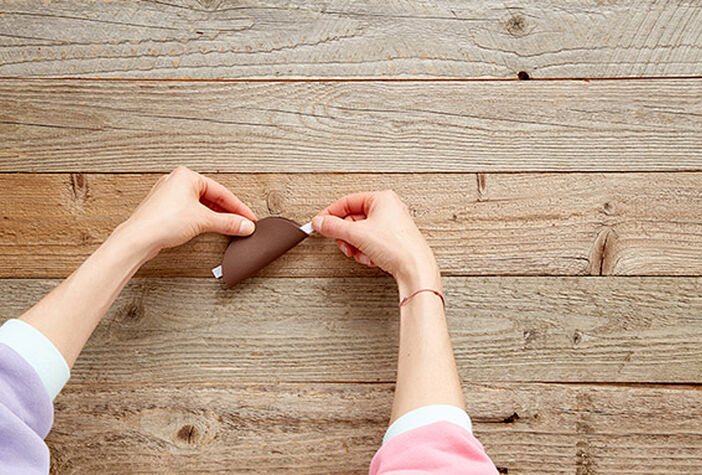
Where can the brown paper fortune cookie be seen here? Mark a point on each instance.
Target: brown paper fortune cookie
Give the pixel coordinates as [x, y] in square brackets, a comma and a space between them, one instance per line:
[273, 237]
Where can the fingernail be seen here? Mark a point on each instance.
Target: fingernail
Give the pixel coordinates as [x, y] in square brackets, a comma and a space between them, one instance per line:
[317, 223]
[246, 227]
[345, 249]
[363, 259]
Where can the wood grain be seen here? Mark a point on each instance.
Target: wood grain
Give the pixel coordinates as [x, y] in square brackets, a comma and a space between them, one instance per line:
[336, 428]
[487, 224]
[293, 370]
[360, 39]
[118, 126]
[181, 331]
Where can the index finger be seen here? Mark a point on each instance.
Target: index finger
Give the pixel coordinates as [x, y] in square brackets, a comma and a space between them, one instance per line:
[218, 194]
[353, 204]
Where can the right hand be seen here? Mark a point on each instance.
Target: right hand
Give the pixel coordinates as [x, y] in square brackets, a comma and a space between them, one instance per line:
[376, 229]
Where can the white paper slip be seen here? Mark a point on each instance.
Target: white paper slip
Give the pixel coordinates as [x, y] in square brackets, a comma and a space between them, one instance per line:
[217, 272]
[307, 228]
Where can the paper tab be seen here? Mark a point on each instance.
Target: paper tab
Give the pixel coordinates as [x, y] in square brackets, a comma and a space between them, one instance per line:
[307, 228]
[217, 272]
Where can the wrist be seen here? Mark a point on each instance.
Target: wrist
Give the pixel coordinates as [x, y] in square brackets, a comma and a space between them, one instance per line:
[131, 236]
[419, 275]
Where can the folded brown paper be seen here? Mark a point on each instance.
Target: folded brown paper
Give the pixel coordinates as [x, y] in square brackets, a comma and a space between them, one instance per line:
[273, 237]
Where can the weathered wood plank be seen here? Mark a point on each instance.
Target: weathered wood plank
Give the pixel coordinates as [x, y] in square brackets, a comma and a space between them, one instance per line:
[517, 224]
[503, 329]
[113, 126]
[325, 428]
[372, 38]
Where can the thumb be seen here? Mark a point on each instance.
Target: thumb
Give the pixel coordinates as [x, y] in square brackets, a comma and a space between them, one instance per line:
[228, 223]
[335, 228]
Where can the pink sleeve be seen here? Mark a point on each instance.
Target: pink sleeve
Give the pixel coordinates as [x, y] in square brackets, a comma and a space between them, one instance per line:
[438, 448]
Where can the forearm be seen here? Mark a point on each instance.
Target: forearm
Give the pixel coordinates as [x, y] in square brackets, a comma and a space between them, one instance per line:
[426, 369]
[69, 313]
[31, 371]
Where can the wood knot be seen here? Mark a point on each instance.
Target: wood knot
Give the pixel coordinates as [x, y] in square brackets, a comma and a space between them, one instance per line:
[577, 337]
[602, 260]
[482, 187]
[134, 313]
[210, 5]
[85, 238]
[529, 336]
[274, 202]
[516, 25]
[608, 208]
[79, 187]
[188, 433]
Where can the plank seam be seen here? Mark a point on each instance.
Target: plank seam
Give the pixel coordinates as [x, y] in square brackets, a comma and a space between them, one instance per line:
[692, 386]
[672, 171]
[444, 274]
[340, 79]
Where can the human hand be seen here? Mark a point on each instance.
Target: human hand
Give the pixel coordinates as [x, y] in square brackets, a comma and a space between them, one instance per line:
[184, 204]
[376, 229]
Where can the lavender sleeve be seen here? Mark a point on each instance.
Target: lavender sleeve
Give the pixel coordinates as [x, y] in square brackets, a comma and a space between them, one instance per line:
[26, 415]
[32, 373]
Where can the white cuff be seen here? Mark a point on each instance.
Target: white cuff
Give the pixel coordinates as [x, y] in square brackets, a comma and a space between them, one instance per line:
[428, 415]
[39, 352]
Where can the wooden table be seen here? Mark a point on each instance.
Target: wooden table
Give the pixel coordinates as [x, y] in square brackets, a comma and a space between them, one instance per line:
[565, 212]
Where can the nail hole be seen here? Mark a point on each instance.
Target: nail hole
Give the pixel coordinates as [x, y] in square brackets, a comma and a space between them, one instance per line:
[523, 76]
[513, 418]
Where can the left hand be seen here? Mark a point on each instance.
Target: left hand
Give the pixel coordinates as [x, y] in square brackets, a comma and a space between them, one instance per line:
[184, 204]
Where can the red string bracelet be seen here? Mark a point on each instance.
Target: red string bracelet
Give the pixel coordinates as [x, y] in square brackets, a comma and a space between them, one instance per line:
[435, 292]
